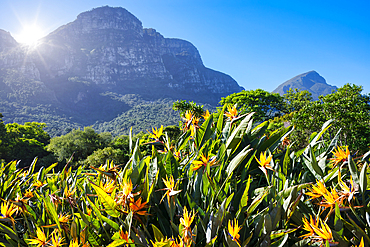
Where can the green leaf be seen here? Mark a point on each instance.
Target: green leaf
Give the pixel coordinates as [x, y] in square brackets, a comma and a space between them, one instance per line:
[9, 232]
[338, 224]
[281, 242]
[220, 119]
[172, 166]
[158, 236]
[210, 243]
[109, 204]
[353, 169]
[236, 136]
[363, 179]
[118, 242]
[204, 132]
[275, 139]
[257, 202]
[324, 128]
[113, 224]
[237, 160]
[244, 199]
[52, 211]
[229, 241]
[312, 165]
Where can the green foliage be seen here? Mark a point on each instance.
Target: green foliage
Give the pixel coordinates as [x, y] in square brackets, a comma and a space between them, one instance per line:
[78, 144]
[24, 142]
[265, 105]
[295, 100]
[350, 111]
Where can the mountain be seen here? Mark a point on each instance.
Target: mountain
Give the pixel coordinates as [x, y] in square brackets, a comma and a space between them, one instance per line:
[310, 81]
[81, 73]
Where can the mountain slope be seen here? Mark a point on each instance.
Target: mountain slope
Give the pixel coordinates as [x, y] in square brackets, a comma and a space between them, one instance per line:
[310, 81]
[74, 71]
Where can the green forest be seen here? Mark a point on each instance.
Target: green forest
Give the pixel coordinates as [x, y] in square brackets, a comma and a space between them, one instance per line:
[259, 170]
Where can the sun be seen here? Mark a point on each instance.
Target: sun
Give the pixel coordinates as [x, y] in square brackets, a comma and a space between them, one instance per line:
[30, 35]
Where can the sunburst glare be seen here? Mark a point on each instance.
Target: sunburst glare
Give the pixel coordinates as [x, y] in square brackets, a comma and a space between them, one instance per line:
[30, 35]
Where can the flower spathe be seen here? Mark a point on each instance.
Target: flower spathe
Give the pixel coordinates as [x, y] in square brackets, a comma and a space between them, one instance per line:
[156, 133]
[170, 187]
[264, 162]
[316, 191]
[347, 191]
[137, 207]
[318, 230]
[7, 210]
[186, 222]
[232, 112]
[40, 238]
[203, 162]
[233, 230]
[206, 115]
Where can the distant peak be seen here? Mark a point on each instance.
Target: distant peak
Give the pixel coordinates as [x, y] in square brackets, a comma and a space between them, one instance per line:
[311, 81]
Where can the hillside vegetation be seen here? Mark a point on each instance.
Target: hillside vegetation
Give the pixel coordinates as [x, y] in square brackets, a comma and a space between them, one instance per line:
[221, 179]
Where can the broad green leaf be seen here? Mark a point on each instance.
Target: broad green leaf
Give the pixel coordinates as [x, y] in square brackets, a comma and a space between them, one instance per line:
[236, 136]
[52, 211]
[220, 119]
[285, 193]
[280, 242]
[353, 169]
[210, 243]
[109, 204]
[204, 132]
[324, 128]
[363, 179]
[158, 236]
[237, 160]
[312, 165]
[338, 224]
[244, 199]
[9, 232]
[282, 232]
[172, 166]
[118, 242]
[275, 139]
[229, 241]
[110, 222]
[256, 202]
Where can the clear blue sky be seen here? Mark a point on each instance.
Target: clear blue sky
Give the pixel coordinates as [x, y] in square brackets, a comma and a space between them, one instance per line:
[259, 43]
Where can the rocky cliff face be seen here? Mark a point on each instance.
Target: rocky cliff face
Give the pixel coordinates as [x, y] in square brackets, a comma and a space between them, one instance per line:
[7, 42]
[310, 81]
[83, 70]
[108, 49]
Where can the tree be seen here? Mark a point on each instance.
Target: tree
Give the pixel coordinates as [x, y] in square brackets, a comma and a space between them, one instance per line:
[296, 99]
[265, 105]
[25, 142]
[79, 143]
[100, 156]
[350, 111]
